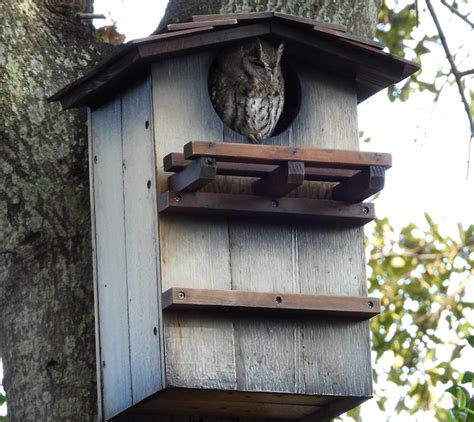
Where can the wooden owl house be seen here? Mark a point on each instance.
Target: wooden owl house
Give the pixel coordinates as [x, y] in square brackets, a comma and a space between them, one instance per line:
[230, 276]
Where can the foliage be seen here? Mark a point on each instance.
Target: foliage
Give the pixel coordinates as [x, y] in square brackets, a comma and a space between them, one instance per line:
[421, 276]
[2, 402]
[463, 406]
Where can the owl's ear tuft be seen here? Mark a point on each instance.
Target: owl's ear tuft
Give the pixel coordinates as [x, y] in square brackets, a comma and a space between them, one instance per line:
[281, 49]
[259, 48]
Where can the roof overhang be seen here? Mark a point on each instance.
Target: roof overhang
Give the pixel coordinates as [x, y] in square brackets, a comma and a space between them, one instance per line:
[326, 47]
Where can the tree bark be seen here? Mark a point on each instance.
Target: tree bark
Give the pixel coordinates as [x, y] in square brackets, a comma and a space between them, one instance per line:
[46, 301]
[46, 317]
[359, 16]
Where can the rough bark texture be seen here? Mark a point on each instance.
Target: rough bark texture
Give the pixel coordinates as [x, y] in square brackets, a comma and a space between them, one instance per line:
[46, 306]
[358, 16]
[46, 302]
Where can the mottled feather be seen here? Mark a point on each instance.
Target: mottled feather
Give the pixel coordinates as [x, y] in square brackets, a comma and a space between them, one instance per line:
[247, 88]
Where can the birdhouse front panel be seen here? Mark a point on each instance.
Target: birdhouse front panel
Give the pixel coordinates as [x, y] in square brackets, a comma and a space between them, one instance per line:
[252, 353]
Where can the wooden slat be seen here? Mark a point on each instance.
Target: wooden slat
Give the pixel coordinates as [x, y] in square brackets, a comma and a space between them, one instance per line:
[281, 181]
[241, 17]
[358, 307]
[361, 186]
[191, 25]
[110, 250]
[269, 154]
[194, 176]
[346, 36]
[296, 209]
[175, 161]
[141, 241]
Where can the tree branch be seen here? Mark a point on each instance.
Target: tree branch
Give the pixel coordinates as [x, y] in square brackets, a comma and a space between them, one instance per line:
[457, 13]
[466, 72]
[457, 76]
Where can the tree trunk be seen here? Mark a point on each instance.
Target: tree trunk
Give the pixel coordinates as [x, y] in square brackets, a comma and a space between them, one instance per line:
[359, 16]
[46, 319]
[46, 302]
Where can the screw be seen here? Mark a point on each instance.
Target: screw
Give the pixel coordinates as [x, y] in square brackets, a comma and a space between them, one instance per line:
[370, 304]
[278, 299]
[148, 184]
[95, 159]
[147, 124]
[181, 295]
[178, 198]
[274, 204]
[365, 210]
[155, 331]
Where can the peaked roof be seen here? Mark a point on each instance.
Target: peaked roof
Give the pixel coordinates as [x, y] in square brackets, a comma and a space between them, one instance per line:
[325, 46]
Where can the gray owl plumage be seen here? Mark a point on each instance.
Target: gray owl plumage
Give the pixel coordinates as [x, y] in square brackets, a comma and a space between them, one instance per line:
[247, 88]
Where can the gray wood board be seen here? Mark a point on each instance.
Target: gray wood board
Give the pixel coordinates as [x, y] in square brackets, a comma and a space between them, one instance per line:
[269, 355]
[140, 235]
[331, 260]
[194, 252]
[110, 263]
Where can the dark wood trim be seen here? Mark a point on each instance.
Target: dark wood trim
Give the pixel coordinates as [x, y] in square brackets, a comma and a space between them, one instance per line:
[298, 210]
[175, 161]
[357, 307]
[281, 181]
[194, 176]
[271, 154]
[360, 186]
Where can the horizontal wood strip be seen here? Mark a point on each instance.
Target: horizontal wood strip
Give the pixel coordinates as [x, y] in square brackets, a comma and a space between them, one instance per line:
[175, 161]
[241, 17]
[298, 209]
[271, 154]
[307, 22]
[192, 25]
[358, 307]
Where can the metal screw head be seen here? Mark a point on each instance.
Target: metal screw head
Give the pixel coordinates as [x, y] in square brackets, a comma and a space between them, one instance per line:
[178, 198]
[278, 299]
[181, 295]
[370, 304]
[274, 203]
[365, 210]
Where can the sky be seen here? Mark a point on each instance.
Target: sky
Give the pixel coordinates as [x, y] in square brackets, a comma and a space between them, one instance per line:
[428, 141]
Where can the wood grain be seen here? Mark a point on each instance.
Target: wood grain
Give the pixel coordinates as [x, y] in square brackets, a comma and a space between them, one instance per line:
[356, 307]
[191, 25]
[271, 154]
[141, 241]
[361, 186]
[194, 176]
[175, 161]
[109, 244]
[199, 348]
[292, 210]
[281, 181]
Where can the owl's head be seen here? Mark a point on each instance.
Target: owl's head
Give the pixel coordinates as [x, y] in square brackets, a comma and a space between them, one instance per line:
[262, 61]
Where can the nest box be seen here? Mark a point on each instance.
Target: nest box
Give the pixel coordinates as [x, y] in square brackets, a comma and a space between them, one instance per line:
[230, 278]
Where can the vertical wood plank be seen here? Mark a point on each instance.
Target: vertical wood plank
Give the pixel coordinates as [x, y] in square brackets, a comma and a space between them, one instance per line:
[94, 266]
[109, 246]
[331, 260]
[140, 236]
[194, 251]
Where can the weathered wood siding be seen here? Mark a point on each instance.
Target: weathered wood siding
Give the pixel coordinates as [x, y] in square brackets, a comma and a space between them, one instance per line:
[127, 268]
[264, 354]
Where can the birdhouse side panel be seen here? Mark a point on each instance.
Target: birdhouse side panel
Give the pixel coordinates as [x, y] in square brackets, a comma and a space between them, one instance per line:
[194, 251]
[110, 257]
[144, 293]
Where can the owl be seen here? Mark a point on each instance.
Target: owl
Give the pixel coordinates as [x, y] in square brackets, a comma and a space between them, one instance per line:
[247, 88]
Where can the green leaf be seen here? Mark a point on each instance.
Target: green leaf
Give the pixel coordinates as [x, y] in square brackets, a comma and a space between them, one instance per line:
[467, 377]
[2, 399]
[461, 395]
[470, 340]
[451, 417]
